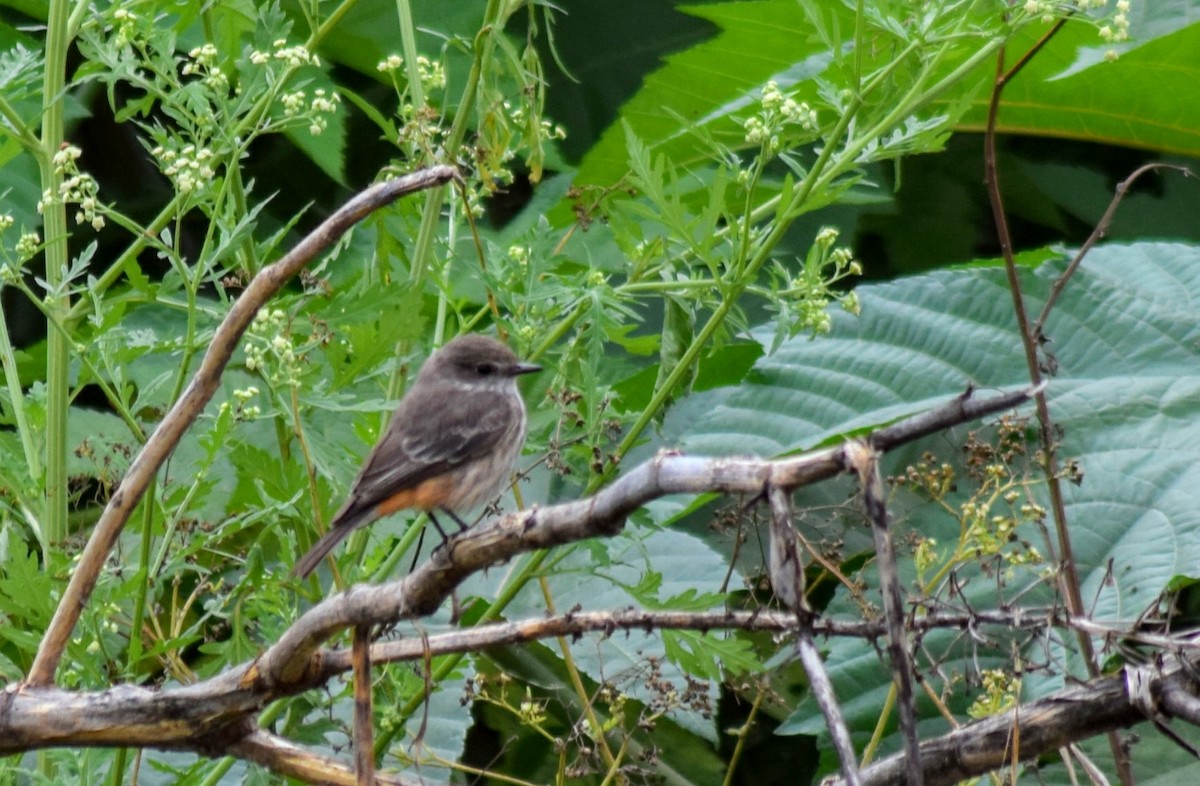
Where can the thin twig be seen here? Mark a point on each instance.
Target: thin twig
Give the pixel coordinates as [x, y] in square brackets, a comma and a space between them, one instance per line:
[787, 580]
[1069, 572]
[864, 461]
[364, 717]
[1100, 231]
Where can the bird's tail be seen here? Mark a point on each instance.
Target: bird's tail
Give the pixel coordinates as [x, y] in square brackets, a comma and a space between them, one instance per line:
[343, 524]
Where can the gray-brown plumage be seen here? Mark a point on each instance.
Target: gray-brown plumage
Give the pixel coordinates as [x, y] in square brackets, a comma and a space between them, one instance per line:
[450, 445]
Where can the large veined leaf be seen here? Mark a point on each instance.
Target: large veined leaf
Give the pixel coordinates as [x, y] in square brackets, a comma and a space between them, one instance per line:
[1127, 394]
[710, 83]
[1068, 90]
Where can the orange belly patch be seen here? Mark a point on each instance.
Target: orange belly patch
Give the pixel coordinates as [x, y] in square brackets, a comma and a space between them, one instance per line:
[427, 495]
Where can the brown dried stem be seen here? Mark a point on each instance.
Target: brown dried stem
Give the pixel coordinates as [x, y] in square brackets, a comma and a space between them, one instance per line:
[864, 462]
[364, 718]
[1029, 341]
[1100, 231]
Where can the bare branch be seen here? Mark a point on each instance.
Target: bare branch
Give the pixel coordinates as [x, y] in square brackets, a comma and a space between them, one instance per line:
[364, 717]
[787, 581]
[279, 755]
[1100, 231]
[211, 717]
[198, 393]
[216, 716]
[1042, 727]
[864, 462]
[422, 591]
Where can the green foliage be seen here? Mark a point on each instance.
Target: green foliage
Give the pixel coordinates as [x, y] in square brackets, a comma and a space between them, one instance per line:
[690, 284]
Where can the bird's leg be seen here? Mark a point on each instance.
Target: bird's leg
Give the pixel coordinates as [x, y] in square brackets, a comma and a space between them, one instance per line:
[417, 550]
[462, 527]
[434, 520]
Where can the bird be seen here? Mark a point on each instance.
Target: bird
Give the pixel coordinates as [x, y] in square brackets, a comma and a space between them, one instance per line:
[450, 445]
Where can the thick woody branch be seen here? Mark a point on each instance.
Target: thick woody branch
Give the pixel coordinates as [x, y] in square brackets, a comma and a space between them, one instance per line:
[199, 392]
[210, 716]
[216, 716]
[1041, 726]
[422, 591]
[364, 715]
[279, 755]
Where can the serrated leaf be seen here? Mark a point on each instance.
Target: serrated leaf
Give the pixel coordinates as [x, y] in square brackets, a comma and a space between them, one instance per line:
[1127, 395]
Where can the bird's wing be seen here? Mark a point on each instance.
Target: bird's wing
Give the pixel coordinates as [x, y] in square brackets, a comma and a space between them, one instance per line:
[429, 434]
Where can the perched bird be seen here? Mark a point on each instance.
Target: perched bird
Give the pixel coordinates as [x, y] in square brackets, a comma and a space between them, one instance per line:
[451, 443]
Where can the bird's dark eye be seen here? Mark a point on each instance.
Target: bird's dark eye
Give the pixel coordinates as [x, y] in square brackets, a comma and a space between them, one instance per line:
[485, 369]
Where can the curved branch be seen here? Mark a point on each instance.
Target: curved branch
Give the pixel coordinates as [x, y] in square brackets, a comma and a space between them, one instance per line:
[189, 406]
[192, 716]
[279, 755]
[420, 593]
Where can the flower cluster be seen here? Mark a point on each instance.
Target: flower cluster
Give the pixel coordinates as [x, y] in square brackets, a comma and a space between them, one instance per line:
[1000, 693]
[318, 110]
[26, 246]
[269, 348]
[126, 27]
[1113, 31]
[800, 299]
[777, 114]
[76, 188]
[431, 73]
[190, 168]
[545, 129]
[1118, 31]
[202, 62]
[242, 409]
[294, 56]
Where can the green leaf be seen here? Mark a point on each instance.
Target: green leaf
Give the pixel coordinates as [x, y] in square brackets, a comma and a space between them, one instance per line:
[683, 568]
[1127, 396]
[693, 88]
[710, 655]
[678, 332]
[1070, 90]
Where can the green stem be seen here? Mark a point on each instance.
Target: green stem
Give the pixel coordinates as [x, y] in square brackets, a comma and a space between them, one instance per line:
[142, 237]
[56, 255]
[423, 247]
[408, 44]
[33, 458]
[560, 330]
[330, 22]
[134, 654]
[57, 328]
[19, 130]
[747, 275]
[83, 9]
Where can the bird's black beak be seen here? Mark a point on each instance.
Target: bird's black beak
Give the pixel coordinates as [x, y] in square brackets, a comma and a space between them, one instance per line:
[525, 368]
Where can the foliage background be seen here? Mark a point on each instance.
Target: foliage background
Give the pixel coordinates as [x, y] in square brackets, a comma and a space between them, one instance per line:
[200, 575]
